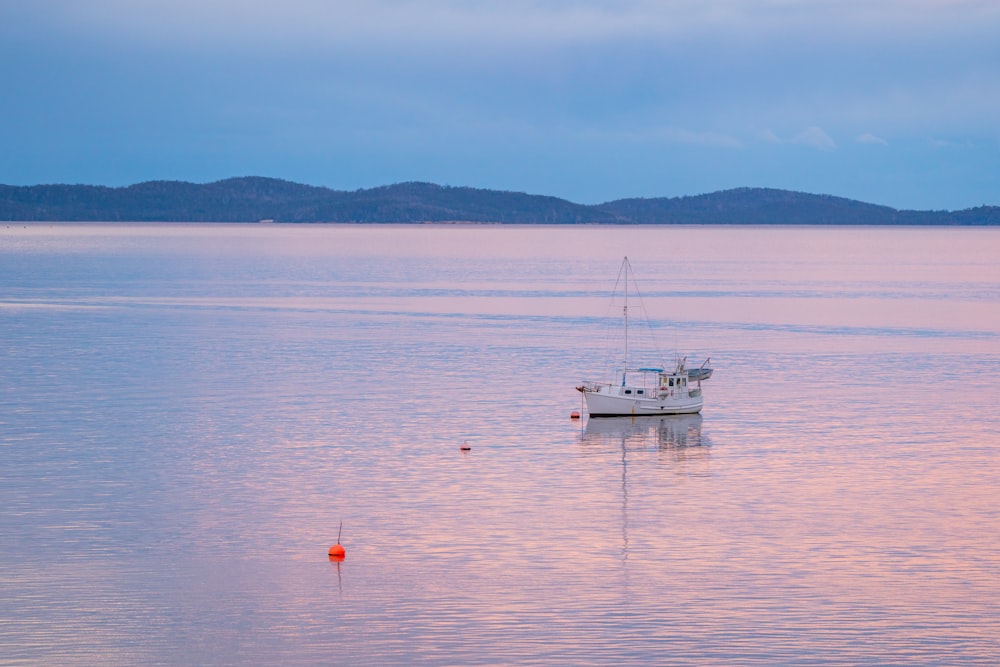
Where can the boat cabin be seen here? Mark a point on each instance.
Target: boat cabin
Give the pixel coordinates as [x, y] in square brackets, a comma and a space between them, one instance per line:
[654, 383]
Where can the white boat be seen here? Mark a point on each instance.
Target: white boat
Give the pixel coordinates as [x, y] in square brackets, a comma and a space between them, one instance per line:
[646, 390]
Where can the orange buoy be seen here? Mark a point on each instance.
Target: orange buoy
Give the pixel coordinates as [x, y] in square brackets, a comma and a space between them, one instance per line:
[337, 550]
[465, 446]
[574, 415]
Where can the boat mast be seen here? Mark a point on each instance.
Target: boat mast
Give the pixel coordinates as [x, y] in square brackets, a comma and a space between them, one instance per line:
[625, 362]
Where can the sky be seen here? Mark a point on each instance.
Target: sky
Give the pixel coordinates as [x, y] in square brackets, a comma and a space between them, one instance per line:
[893, 102]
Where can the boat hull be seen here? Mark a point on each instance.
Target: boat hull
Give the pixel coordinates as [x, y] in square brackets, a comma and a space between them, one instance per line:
[609, 405]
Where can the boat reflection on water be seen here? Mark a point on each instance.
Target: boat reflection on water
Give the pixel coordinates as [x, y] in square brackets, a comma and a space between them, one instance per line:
[677, 438]
[679, 434]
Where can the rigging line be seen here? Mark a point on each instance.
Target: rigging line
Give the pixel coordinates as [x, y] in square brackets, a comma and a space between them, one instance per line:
[612, 331]
[645, 316]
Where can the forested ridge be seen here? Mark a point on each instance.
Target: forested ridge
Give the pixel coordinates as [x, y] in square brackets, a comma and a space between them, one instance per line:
[253, 199]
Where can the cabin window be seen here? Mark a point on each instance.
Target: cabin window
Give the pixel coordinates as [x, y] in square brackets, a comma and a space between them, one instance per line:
[628, 391]
[671, 382]
[638, 391]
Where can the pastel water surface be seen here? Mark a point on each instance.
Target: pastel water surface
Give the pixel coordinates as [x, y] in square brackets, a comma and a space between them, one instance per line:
[189, 412]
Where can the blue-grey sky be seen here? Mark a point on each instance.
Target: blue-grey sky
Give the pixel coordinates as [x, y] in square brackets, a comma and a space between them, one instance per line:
[893, 102]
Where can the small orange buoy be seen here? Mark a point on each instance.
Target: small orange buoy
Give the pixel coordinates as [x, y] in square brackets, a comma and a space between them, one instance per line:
[465, 446]
[337, 550]
[574, 415]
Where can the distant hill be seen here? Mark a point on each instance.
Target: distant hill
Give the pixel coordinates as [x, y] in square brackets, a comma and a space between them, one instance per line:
[252, 199]
[764, 206]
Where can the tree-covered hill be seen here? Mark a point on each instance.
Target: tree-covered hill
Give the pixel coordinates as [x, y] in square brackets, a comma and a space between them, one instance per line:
[252, 199]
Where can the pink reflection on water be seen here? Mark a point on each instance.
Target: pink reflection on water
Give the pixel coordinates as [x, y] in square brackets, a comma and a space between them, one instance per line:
[837, 497]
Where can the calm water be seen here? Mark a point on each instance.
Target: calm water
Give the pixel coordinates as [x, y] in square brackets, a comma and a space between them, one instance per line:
[188, 412]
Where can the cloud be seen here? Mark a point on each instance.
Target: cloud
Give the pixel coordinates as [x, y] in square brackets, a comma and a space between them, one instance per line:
[653, 134]
[683, 136]
[259, 23]
[868, 138]
[815, 137]
[768, 137]
[947, 144]
[250, 24]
